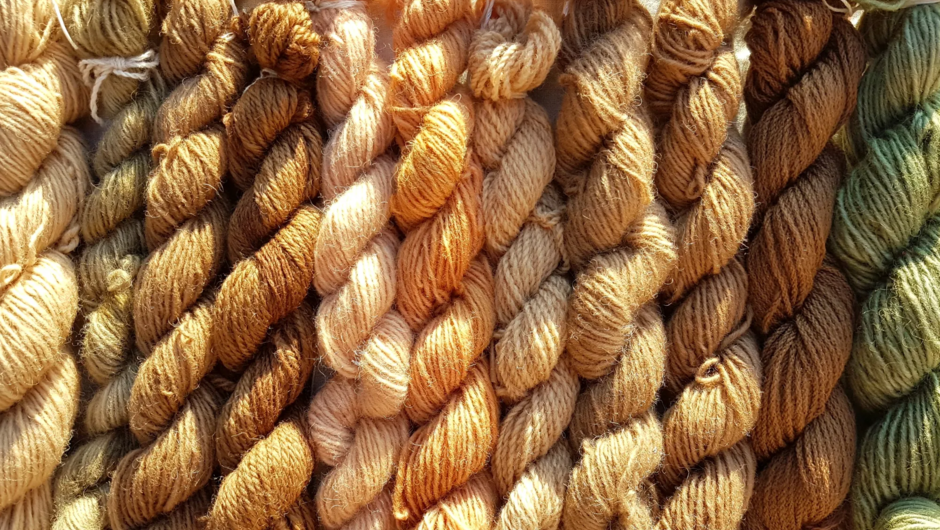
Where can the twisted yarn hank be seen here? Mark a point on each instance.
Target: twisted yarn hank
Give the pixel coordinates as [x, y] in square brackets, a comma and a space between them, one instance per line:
[356, 421]
[510, 55]
[713, 364]
[41, 191]
[172, 412]
[445, 287]
[275, 156]
[622, 248]
[805, 65]
[887, 233]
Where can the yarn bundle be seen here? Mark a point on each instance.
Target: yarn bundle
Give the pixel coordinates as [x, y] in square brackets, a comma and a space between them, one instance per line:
[172, 408]
[511, 54]
[885, 232]
[356, 419]
[621, 244]
[42, 189]
[713, 367]
[805, 65]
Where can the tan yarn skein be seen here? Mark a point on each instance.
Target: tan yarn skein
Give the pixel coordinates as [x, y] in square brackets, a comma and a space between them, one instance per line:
[42, 187]
[356, 421]
[806, 64]
[713, 365]
[510, 55]
[113, 231]
[445, 286]
[622, 247]
[275, 156]
[172, 411]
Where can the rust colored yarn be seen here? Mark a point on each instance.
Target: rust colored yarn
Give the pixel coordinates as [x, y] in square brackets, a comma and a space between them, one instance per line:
[445, 286]
[621, 245]
[172, 410]
[713, 367]
[42, 187]
[356, 421]
[510, 55]
[261, 325]
[805, 67]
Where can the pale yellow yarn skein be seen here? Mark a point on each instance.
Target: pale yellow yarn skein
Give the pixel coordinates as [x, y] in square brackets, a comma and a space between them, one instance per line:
[356, 420]
[41, 191]
[510, 55]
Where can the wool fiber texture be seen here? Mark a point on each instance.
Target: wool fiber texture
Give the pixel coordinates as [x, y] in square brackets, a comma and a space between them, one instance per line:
[42, 188]
[511, 54]
[621, 244]
[713, 368]
[886, 232]
[112, 230]
[356, 421]
[173, 410]
[263, 329]
[806, 61]
[445, 284]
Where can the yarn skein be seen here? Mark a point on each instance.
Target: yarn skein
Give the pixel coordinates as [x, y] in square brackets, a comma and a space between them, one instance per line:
[510, 55]
[886, 232]
[445, 285]
[805, 65]
[621, 244]
[356, 419]
[713, 366]
[112, 228]
[262, 327]
[172, 411]
[41, 192]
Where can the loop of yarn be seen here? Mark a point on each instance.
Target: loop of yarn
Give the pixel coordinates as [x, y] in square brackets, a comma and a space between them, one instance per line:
[886, 232]
[112, 229]
[806, 62]
[261, 325]
[95, 71]
[445, 287]
[510, 55]
[42, 189]
[357, 421]
[622, 247]
[713, 369]
[172, 410]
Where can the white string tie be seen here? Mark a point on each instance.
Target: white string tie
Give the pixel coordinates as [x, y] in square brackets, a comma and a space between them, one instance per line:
[333, 4]
[96, 70]
[848, 8]
[234, 8]
[265, 73]
[566, 9]
[487, 12]
[58, 14]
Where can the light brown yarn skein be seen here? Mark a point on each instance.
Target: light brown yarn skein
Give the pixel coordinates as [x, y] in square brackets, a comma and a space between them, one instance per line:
[42, 187]
[713, 365]
[510, 55]
[261, 325]
[621, 245]
[172, 410]
[356, 421]
[445, 286]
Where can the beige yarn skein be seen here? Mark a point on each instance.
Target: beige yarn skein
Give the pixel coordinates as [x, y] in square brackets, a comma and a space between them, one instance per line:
[510, 55]
[356, 420]
[172, 410]
[42, 187]
[621, 246]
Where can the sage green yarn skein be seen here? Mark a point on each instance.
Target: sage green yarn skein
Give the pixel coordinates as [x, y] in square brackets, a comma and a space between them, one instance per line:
[886, 232]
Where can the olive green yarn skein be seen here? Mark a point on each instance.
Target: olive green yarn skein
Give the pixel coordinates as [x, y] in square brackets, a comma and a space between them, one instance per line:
[886, 232]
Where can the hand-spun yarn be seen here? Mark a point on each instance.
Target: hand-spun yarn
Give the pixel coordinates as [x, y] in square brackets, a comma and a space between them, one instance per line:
[113, 232]
[445, 286]
[887, 233]
[510, 55]
[261, 325]
[713, 365]
[806, 61]
[172, 412]
[621, 244]
[357, 421]
[41, 192]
